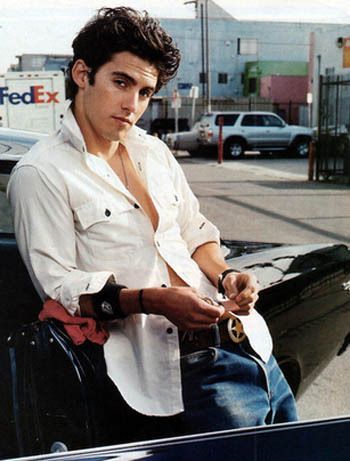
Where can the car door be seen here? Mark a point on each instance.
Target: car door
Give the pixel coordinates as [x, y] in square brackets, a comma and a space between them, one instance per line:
[254, 130]
[277, 133]
[188, 140]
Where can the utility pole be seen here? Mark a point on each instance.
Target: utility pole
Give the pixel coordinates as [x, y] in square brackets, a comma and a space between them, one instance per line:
[202, 11]
[207, 52]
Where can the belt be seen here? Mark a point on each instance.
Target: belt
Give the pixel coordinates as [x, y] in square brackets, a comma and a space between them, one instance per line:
[226, 332]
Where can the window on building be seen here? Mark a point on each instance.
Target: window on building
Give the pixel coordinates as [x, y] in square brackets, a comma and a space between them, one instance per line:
[202, 77]
[330, 71]
[222, 77]
[38, 62]
[247, 46]
[252, 85]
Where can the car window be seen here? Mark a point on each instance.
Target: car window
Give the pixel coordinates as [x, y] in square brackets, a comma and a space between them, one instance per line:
[252, 120]
[205, 120]
[271, 120]
[229, 119]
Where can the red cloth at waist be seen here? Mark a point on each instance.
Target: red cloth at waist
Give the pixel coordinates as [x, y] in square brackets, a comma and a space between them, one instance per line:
[79, 329]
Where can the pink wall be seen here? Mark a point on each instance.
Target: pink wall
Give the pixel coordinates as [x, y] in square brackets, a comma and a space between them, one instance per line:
[282, 88]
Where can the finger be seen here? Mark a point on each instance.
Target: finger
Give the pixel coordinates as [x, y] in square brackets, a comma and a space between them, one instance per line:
[231, 306]
[211, 310]
[230, 285]
[249, 293]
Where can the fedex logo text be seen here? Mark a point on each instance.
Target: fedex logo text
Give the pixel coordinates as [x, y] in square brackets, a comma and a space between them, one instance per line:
[35, 95]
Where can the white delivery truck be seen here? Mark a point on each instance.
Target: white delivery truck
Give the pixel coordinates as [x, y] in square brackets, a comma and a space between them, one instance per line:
[33, 101]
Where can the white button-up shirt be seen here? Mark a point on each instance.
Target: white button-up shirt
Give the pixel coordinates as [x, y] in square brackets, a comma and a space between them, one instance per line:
[78, 226]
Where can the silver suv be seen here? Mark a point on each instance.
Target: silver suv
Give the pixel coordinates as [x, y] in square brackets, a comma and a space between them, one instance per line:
[262, 131]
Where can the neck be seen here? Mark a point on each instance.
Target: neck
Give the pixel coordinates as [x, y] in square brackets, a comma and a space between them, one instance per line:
[95, 143]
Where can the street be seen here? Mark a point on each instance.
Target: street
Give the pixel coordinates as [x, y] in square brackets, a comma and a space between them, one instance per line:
[270, 199]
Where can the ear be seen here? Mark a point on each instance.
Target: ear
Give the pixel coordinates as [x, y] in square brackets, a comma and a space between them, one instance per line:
[80, 73]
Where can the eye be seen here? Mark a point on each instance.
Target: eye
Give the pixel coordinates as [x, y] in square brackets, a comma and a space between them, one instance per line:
[120, 82]
[146, 93]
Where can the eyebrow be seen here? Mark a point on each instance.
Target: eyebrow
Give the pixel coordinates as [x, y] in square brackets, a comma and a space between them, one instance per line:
[131, 80]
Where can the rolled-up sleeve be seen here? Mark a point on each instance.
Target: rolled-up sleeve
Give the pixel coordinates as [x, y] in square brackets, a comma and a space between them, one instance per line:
[196, 229]
[45, 234]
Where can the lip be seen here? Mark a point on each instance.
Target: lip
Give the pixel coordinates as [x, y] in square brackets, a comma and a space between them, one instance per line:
[122, 120]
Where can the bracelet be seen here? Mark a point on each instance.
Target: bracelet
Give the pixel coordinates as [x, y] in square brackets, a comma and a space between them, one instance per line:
[106, 303]
[221, 278]
[142, 306]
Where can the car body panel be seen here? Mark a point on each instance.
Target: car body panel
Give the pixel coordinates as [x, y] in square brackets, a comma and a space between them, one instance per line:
[183, 140]
[326, 440]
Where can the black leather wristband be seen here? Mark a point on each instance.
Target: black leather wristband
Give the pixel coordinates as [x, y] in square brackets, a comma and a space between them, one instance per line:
[221, 278]
[106, 303]
[142, 306]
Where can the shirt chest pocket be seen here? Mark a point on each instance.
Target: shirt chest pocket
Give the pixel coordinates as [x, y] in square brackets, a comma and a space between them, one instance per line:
[105, 226]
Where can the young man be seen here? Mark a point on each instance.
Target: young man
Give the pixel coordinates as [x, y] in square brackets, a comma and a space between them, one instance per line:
[107, 226]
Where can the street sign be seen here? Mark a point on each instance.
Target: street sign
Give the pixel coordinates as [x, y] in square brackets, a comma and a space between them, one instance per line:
[194, 92]
[184, 86]
[176, 100]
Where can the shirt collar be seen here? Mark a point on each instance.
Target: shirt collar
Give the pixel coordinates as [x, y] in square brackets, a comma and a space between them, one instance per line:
[72, 133]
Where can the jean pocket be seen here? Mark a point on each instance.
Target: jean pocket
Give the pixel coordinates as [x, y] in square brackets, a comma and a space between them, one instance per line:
[197, 361]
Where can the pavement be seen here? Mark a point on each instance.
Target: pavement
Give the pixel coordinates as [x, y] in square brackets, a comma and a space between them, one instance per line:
[269, 199]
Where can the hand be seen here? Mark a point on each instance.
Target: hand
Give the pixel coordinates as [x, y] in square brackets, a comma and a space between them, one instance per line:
[183, 306]
[242, 291]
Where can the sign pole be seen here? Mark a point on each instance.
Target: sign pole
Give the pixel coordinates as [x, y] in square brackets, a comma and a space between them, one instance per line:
[176, 104]
[194, 93]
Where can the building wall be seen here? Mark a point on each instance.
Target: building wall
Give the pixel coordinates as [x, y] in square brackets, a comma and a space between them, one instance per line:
[328, 57]
[273, 44]
[284, 88]
[311, 43]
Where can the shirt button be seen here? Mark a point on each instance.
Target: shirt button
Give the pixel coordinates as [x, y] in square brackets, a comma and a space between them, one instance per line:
[157, 243]
[169, 331]
[107, 212]
[136, 206]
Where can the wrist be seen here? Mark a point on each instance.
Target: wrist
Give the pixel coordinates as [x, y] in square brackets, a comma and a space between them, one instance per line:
[221, 278]
[149, 300]
[106, 303]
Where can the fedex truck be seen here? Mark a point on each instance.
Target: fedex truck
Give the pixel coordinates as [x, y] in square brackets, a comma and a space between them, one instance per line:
[33, 101]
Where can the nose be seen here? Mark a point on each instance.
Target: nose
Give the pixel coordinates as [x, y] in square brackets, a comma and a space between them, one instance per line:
[130, 102]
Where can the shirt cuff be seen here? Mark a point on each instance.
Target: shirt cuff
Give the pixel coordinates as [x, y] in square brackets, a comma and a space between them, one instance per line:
[79, 283]
[204, 232]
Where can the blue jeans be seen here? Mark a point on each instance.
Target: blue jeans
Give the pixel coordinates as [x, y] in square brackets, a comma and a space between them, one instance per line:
[227, 388]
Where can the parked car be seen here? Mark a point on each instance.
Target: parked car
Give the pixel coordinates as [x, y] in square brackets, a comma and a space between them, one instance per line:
[262, 131]
[305, 289]
[184, 140]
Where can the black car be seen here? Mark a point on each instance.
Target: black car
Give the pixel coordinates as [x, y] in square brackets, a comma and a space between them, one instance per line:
[304, 290]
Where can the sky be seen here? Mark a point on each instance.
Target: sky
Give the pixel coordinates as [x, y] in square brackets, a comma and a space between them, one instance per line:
[49, 26]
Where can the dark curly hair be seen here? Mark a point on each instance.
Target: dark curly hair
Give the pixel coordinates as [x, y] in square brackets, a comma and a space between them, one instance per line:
[114, 30]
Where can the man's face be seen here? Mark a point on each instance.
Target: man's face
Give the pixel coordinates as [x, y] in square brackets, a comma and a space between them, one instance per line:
[118, 97]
